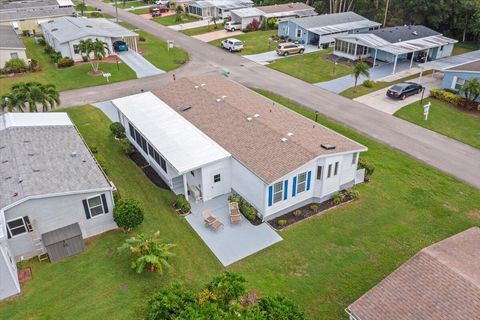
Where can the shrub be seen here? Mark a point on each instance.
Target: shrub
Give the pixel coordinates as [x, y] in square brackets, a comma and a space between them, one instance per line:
[245, 208]
[446, 96]
[282, 222]
[338, 198]
[280, 308]
[15, 66]
[40, 41]
[84, 58]
[314, 207]
[169, 303]
[368, 83]
[141, 38]
[128, 214]
[95, 14]
[254, 25]
[245, 30]
[34, 65]
[93, 149]
[227, 287]
[182, 204]
[369, 168]
[48, 49]
[298, 213]
[65, 62]
[127, 147]
[118, 130]
[350, 194]
[55, 57]
[26, 33]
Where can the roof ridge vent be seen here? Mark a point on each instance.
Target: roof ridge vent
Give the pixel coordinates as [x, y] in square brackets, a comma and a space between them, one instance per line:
[328, 146]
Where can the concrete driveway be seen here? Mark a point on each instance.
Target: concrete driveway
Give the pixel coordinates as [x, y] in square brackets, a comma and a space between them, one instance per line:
[267, 57]
[378, 99]
[194, 24]
[210, 36]
[141, 66]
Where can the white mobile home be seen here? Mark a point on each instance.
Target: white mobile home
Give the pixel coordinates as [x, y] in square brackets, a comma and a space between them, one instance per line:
[221, 9]
[218, 137]
[64, 34]
[11, 47]
[50, 181]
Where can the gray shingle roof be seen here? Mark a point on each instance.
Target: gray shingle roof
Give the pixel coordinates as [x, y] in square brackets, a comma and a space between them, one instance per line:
[404, 33]
[440, 282]
[23, 10]
[38, 160]
[10, 38]
[66, 29]
[328, 19]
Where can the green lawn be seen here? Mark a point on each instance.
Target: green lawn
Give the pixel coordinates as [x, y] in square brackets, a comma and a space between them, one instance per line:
[129, 4]
[202, 30]
[253, 42]
[310, 67]
[65, 79]
[464, 47]
[445, 119]
[172, 20]
[157, 52]
[323, 264]
[140, 11]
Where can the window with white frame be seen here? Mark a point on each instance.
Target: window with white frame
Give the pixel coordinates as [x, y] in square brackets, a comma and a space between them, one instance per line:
[301, 182]
[319, 172]
[459, 83]
[354, 158]
[299, 33]
[95, 206]
[277, 192]
[17, 226]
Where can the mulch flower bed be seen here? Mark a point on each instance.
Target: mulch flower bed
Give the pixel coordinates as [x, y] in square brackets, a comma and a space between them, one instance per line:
[142, 163]
[307, 212]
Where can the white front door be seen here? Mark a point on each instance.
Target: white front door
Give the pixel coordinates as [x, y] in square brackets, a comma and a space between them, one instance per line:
[216, 183]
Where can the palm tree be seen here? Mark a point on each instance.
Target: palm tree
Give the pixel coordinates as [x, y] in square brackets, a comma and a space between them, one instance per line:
[359, 69]
[98, 49]
[471, 89]
[151, 253]
[178, 13]
[27, 96]
[81, 7]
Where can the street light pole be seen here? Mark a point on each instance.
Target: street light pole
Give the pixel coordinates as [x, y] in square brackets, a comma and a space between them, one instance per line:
[116, 11]
[316, 116]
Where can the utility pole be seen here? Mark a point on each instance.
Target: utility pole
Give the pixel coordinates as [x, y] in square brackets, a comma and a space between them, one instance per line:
[116, 11]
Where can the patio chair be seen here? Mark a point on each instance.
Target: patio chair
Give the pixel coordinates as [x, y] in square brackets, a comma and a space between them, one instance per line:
[211, 220]
[235, 215]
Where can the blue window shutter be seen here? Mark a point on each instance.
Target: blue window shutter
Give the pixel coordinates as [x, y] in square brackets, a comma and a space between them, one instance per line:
[294, 186]
[285, 190]
[309, 178]
[270, 196]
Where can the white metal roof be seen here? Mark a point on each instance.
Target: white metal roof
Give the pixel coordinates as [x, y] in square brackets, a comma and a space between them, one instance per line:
[248, 12]
[65, 3]
[373, 41]
[182, 144]
[344, 27]
[453, 61]
[8, 120]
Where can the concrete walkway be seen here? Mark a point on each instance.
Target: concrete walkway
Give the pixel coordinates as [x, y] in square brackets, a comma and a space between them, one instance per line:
[270, 56]
[343, 83]
[195, 24]
[210, 36]
[233, 242]
[378, 99]
[141, 66]
[109, 109]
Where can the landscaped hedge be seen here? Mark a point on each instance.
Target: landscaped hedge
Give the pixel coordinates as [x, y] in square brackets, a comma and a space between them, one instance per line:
[65, 62]
[245, 208]
[446, 96]
[182, 204]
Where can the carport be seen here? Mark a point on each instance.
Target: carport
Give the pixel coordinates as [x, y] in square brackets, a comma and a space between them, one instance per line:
[449, 62]
[63, 242]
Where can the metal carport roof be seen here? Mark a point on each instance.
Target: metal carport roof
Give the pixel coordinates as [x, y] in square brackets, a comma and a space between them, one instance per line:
[453, 61]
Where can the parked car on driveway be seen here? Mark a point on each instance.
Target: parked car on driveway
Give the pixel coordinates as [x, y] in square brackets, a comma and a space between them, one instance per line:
[403, 90]
[120, 46]
[284, 49]
[162, 2]
[232, 44]
[232, 26]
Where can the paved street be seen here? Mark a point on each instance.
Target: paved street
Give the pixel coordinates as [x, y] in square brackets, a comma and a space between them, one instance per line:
[378, 99]
[451, 156]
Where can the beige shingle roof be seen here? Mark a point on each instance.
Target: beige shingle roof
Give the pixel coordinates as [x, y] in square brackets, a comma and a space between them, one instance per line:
[256, 143]
[440, 282]
[285, 7]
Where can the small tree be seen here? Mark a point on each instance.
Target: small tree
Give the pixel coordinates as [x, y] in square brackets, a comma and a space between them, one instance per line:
[471, 89]
[227, 287]
[280, 308]
[97, 49]
[214, 20]
[359, 69]
[26, 96]
[128, 214]
[151, 254]
[179, 13]
[81, 7]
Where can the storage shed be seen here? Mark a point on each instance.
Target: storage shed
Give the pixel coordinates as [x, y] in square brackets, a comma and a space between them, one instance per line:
[63, 242]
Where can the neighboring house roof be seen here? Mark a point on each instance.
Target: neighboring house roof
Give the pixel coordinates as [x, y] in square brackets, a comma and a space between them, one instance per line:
[223, 4]
[373, 41]
[404, 33]
[183, 145]
[10, 38]
[452, 61]
[440, 282]
[325, 20]
[252, 127]
[286, 7]
[34, 9]
[66, 29]
[42, 153]
[248, 12]
[473, 66]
